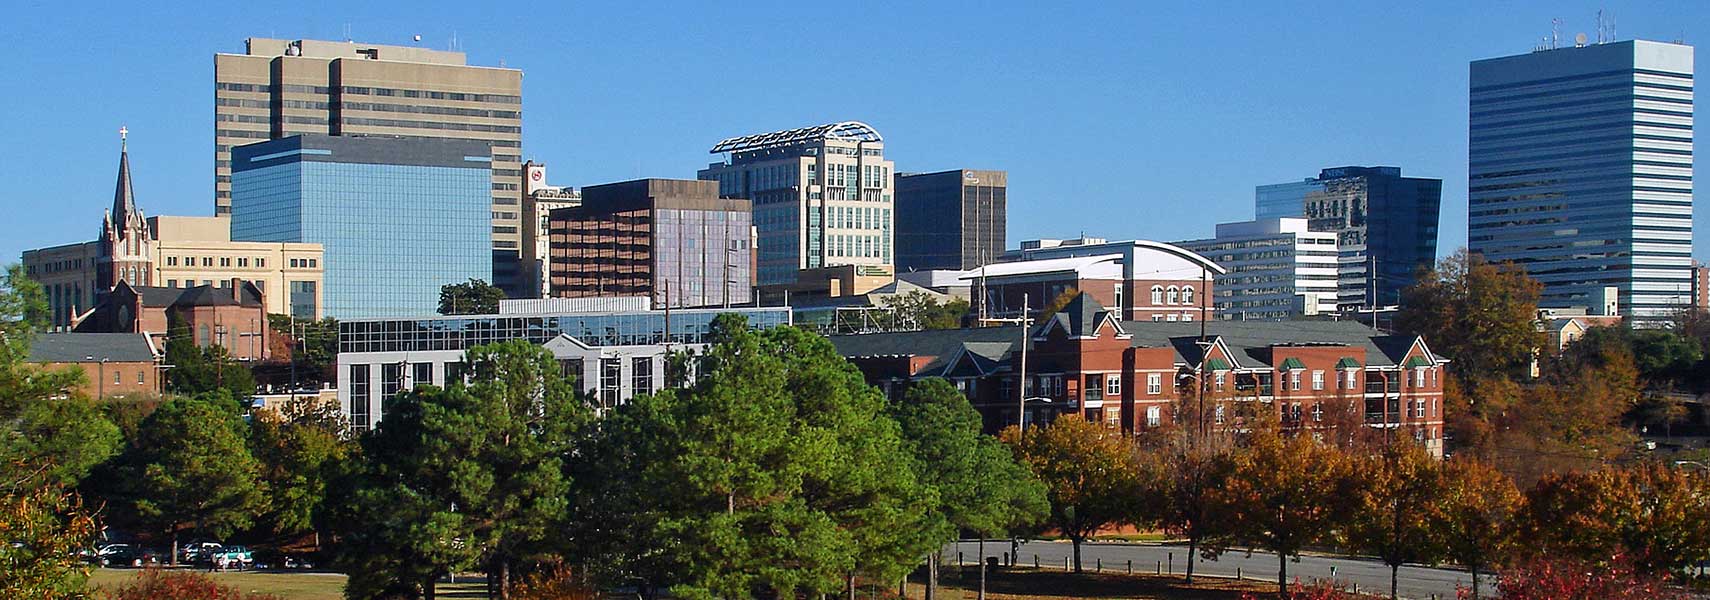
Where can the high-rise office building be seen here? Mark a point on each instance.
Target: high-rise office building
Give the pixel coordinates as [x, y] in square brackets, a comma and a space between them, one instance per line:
[538, 201]
[1380, 219]
[397, 218]
[281, 88]
[822, 196]
[951, 219]
[674, 241]
[1580, 171]
[1277, 269]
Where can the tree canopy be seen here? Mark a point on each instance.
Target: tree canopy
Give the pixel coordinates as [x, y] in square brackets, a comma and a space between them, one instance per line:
[1088, 472]
[776, 473]
[473, 297]
[189, 465]
[1481, 314]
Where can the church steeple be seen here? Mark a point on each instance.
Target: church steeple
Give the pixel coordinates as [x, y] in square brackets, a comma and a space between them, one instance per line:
[124, 201]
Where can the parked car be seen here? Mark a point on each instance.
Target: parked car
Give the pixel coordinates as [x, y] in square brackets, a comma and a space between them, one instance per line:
[128, 555]
[233, 557]
[195, 552]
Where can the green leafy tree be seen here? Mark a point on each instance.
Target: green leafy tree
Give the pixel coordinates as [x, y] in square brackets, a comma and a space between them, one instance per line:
[776, 473]
[189, 466]
[1088, 472]
[311, 344]
[298, 451]
[478, 470]
[1399, 508]
[474, 297]
[1480, 508]
[980, 486]
[197, 370]
[1282, 494]
[47, 443]
[919, 310]
[1480, 313]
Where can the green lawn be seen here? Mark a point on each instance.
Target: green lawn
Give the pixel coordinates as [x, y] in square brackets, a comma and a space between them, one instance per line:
[289, 586]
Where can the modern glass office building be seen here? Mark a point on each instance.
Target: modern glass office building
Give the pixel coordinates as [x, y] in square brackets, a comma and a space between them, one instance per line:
[613, 355]
[398, 218]
[951, 220]
[1277, 269]
[1380, 219]
[1580, 170]
[821, 194]
[673, 241]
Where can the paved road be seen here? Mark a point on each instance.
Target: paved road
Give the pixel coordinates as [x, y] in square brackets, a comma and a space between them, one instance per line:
[1419, 583]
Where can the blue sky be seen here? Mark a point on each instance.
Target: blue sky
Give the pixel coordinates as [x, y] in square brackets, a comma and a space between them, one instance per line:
[1116, 119]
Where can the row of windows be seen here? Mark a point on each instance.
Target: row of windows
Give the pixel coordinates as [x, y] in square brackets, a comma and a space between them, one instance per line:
[433, 110]
[458, 96]
[208, 261]
[433, 125]
[1172, 295]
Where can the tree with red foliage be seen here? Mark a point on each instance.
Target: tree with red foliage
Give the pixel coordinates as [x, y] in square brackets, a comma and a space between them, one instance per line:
[1572, 579]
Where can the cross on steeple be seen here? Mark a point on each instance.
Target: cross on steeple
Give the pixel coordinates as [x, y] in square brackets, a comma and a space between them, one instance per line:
[122, 132]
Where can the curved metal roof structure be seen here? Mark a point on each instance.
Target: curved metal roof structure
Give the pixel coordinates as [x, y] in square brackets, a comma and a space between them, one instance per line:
[846, 130]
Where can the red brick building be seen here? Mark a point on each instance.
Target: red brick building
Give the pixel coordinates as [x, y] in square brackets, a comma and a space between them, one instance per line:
[232, 314]
[1140, 280]
[114, 364]
[1130, 374]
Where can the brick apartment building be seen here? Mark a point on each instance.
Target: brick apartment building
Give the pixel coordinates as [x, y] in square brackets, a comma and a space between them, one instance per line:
[114, 364]
[1130, 374]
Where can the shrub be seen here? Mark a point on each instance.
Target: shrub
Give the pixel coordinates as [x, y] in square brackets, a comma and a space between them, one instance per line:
[557, 582]
[1558, 579]
[1319, 590]
[160, 584]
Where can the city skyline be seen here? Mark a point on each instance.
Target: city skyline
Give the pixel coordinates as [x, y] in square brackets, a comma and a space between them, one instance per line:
[1076, 97]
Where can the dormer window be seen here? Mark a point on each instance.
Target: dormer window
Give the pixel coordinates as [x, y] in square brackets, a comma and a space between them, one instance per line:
[1157, 295]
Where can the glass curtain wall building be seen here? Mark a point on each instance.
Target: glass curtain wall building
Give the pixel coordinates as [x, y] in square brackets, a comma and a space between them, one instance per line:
[1580, 170]
[398, 218]
[822, 196]
[1380, 219]
[952, 220]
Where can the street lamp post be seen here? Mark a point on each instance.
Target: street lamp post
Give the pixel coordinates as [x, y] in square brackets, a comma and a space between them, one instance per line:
[1023, 421]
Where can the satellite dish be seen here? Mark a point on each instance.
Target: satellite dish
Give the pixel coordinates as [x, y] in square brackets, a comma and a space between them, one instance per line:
[1579, 39]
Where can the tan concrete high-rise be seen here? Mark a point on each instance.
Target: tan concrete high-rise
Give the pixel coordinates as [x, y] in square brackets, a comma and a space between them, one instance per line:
[280, 88]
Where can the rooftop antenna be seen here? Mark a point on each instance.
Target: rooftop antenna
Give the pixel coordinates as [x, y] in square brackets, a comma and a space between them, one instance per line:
[1556, 32]
[347, 33]
[1600, 29]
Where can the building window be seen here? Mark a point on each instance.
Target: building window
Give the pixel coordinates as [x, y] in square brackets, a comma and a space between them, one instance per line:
[611, 373]
[1318, 412]
[391, 380]
[207, 261]
[421, 374]
[1122, 311]
[1218, 378]
[641, 374]
[1419, 377]
[1187, 295]
[1113, 386]
[141, 376]
[358, 397]
[1157, 295]
[225, 261]
[1171, 318]
[260, 263]
[1350, 379]
[243, 261]
[171, 261]
[1418, 409]
[1154, 416]
[1219, 414]
[1317, 380]
[1154, 383]
[1172, 295]
[571, 368]
[172, 283]
[118, 376]
[1294, 380]
[1157, 318]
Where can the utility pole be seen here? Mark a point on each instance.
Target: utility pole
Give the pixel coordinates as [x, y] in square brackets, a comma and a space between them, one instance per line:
[1021, 385]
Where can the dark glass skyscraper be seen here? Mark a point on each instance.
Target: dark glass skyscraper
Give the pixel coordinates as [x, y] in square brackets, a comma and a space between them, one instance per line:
[1380, 219]
[398, 217]
[950, 220]
[675, 241]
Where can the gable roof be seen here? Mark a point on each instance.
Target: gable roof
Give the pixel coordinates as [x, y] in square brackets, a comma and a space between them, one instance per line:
[1249, 342]
[91, 347]
[202, 295]
[1081, 317]
[943, 345]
